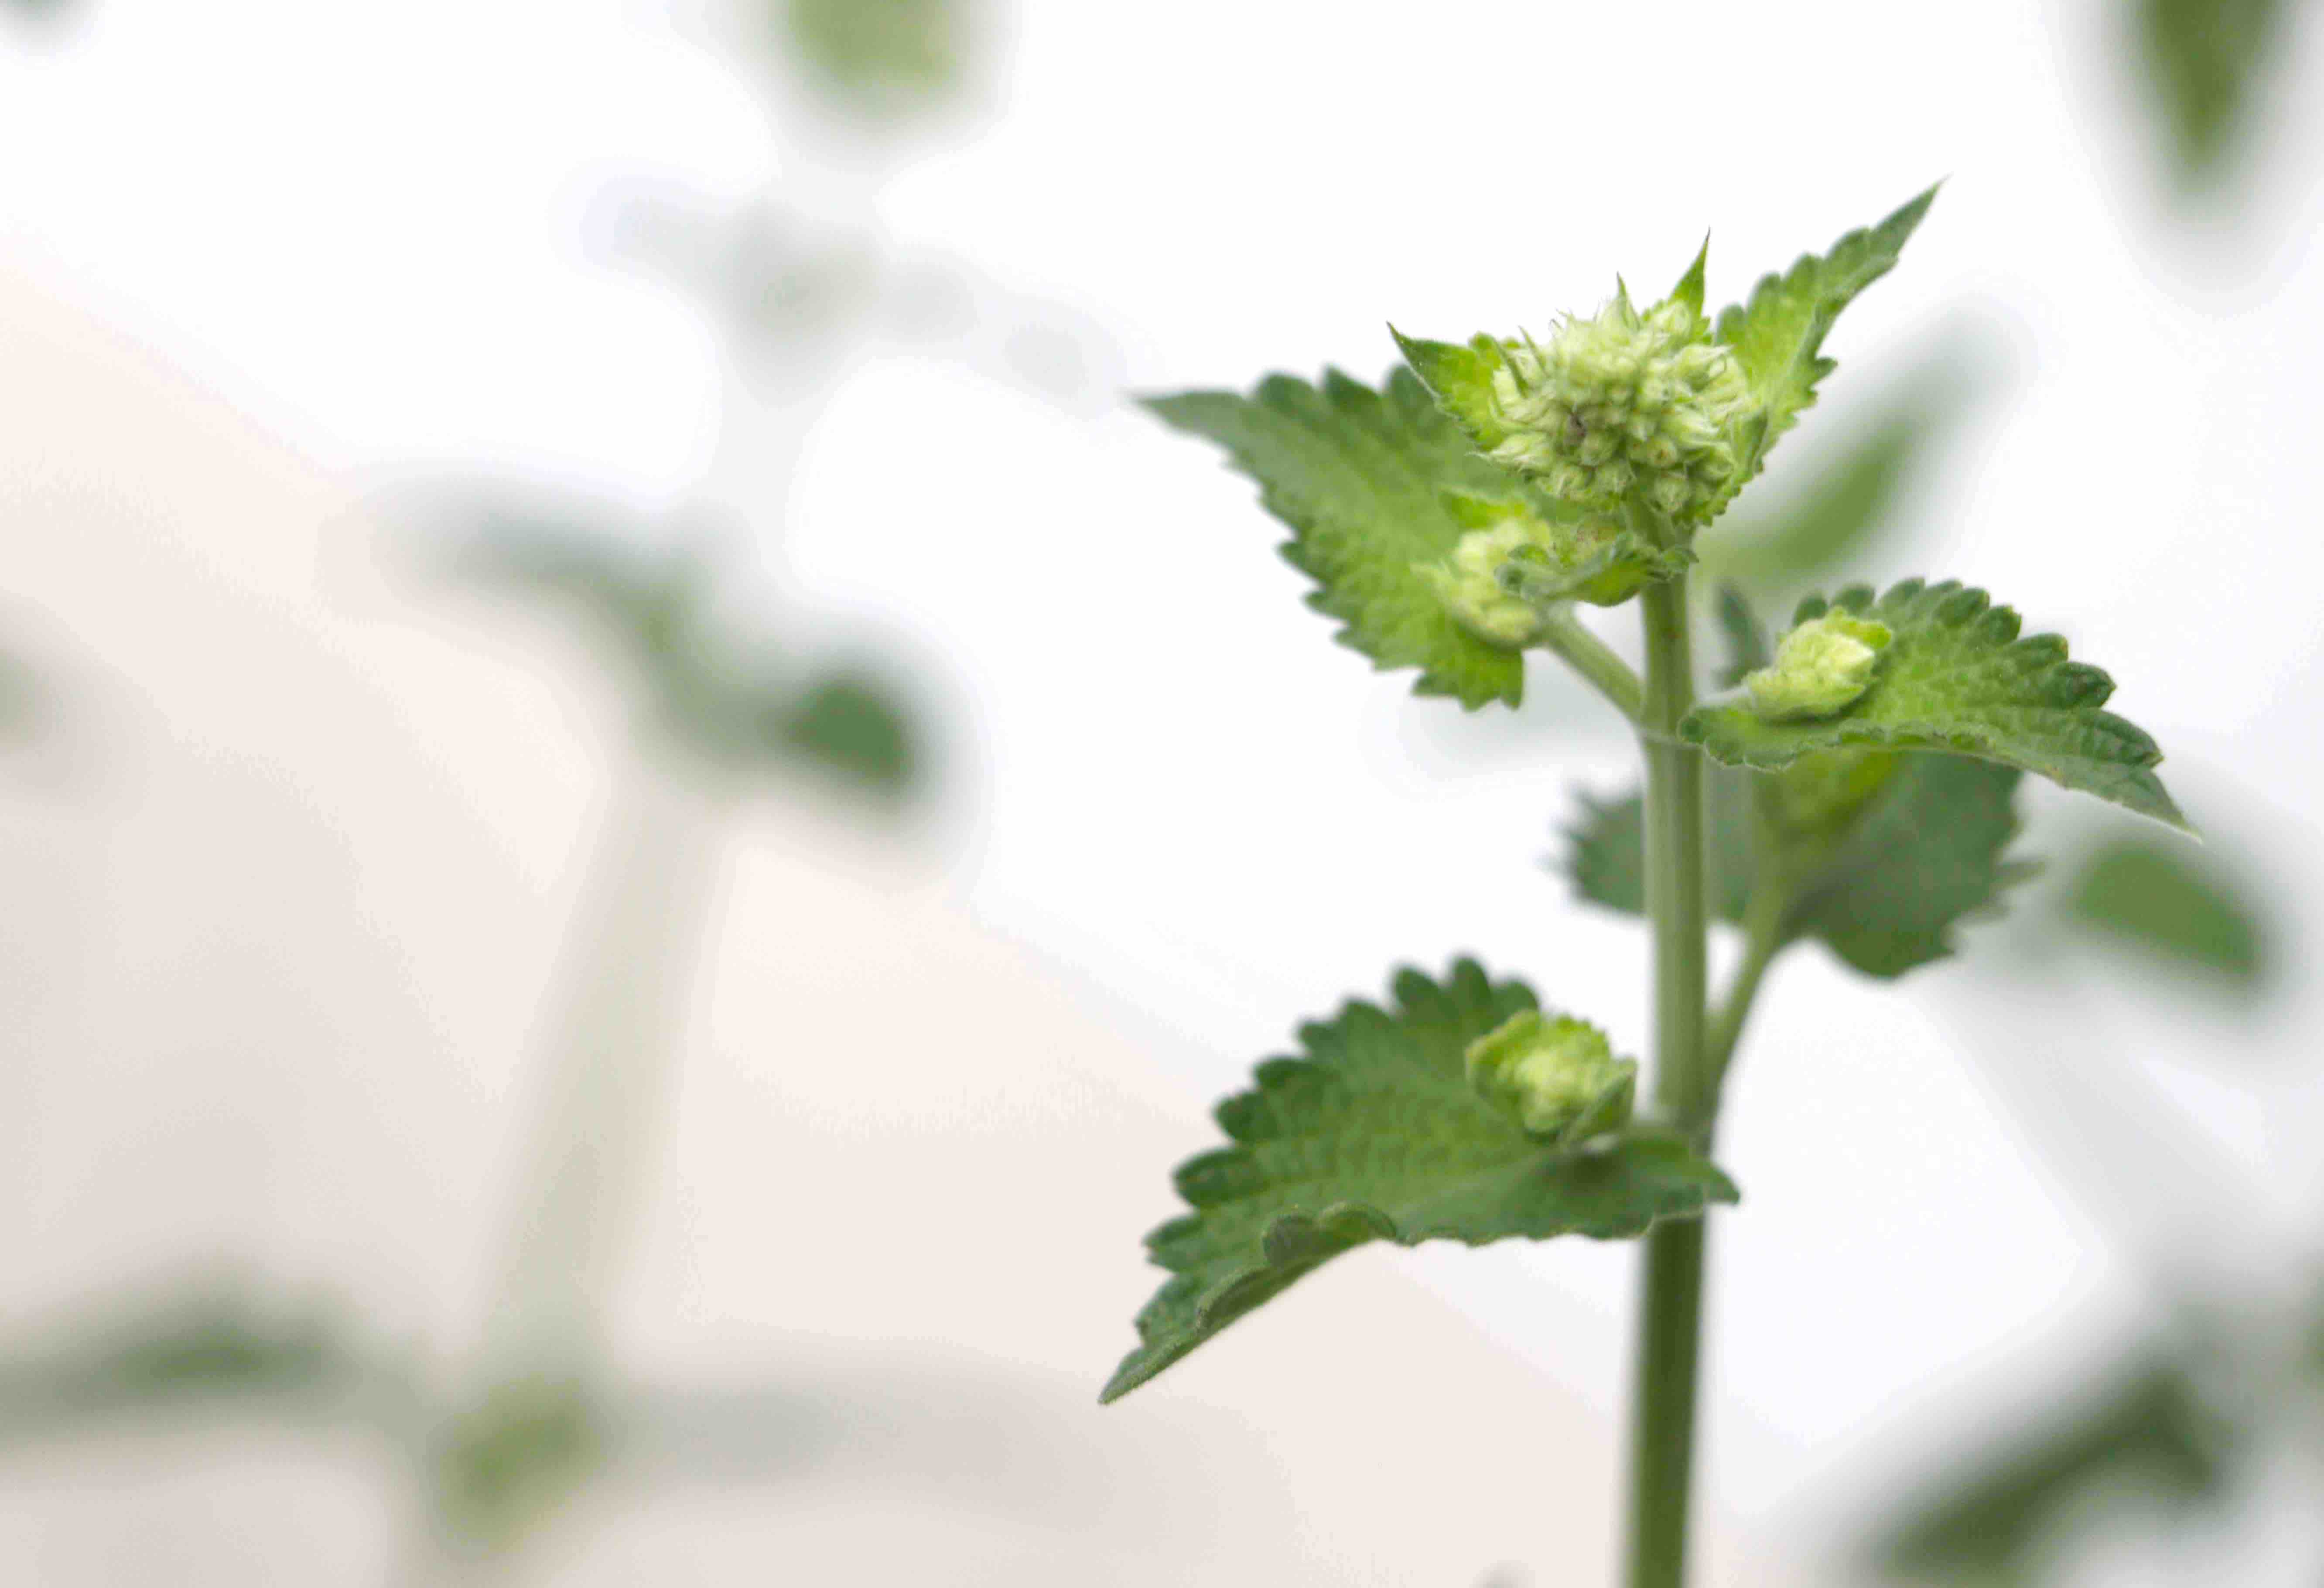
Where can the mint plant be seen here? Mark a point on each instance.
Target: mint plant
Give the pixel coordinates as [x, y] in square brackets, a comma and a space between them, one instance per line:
[1853, 781]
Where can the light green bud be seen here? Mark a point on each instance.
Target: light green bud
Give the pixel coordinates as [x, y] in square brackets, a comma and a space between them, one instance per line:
[1624, 406]
[1468, 583]
[1558, 1076]
[1821, 666]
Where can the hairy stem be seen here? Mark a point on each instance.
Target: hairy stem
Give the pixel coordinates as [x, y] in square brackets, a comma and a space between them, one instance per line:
[1686, 1092]
[1763, 940]
[1600, 667]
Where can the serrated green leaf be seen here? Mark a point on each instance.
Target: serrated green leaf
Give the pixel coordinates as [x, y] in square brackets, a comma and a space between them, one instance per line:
[1884, 891]
[2148, 1430]
[2174, 903]
[1777, 333]
[1361, 478]
[1376, 1134]
[1958, 677]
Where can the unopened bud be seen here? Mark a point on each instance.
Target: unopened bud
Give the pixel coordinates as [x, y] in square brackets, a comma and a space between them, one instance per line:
[1558, 1076]
[1821, 668]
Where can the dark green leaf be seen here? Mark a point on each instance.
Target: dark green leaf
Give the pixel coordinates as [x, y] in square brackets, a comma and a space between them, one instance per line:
[2175, 902]
[1375, 1134]
[1362, 479]
[1881, 880]
[851, 724]
[1958, 677]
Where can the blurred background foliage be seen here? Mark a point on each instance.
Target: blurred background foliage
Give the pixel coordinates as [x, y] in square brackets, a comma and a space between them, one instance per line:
[887, 57]
[2203, 68]
[2169, 1430]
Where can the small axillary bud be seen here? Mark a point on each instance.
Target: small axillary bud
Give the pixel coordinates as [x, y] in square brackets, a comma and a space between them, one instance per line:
[1482, 585]
[1469, 584]
[1624, 406]
[1556, 1075]
[1821, 667]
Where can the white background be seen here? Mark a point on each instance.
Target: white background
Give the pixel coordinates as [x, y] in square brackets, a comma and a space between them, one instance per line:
[380, 229]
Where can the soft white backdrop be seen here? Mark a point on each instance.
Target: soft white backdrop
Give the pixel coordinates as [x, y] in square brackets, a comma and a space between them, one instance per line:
[380, 229]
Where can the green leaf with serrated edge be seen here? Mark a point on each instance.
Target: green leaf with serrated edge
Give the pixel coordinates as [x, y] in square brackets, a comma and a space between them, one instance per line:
[2147, 1430]
[1361, 478]
[1883, 891]
[1460, 376]
[1958, 677]
[1375, 1134]
[2186, 908]
[1777, 333]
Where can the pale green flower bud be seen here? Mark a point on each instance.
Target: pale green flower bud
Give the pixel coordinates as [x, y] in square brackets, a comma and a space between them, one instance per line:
[1556, 1075]
[1469, 584]
[1624, 406]
[1821, 666]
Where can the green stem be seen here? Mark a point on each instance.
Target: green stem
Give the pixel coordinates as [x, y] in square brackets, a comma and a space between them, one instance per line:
[1763, 940]
[1686, 1094]
[1600, 667]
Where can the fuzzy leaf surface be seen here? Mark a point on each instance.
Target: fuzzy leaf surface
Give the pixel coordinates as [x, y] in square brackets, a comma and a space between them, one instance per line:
[1374, 1133]
[1777, 333]
[1958, 676]
[1361, 476]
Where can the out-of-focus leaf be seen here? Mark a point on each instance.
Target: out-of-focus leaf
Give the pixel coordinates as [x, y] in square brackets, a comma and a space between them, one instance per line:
[853, 726]
[2201, 63]
[509, 1463]
[884, 56]
[1850, 500]
[1990, 1524]
[20, 699]
[726, 699]
[2176, 903]
[211, 1347]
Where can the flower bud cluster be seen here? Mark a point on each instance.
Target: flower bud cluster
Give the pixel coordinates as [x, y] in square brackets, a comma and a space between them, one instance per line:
[1558, 1076]
[1623, 405]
